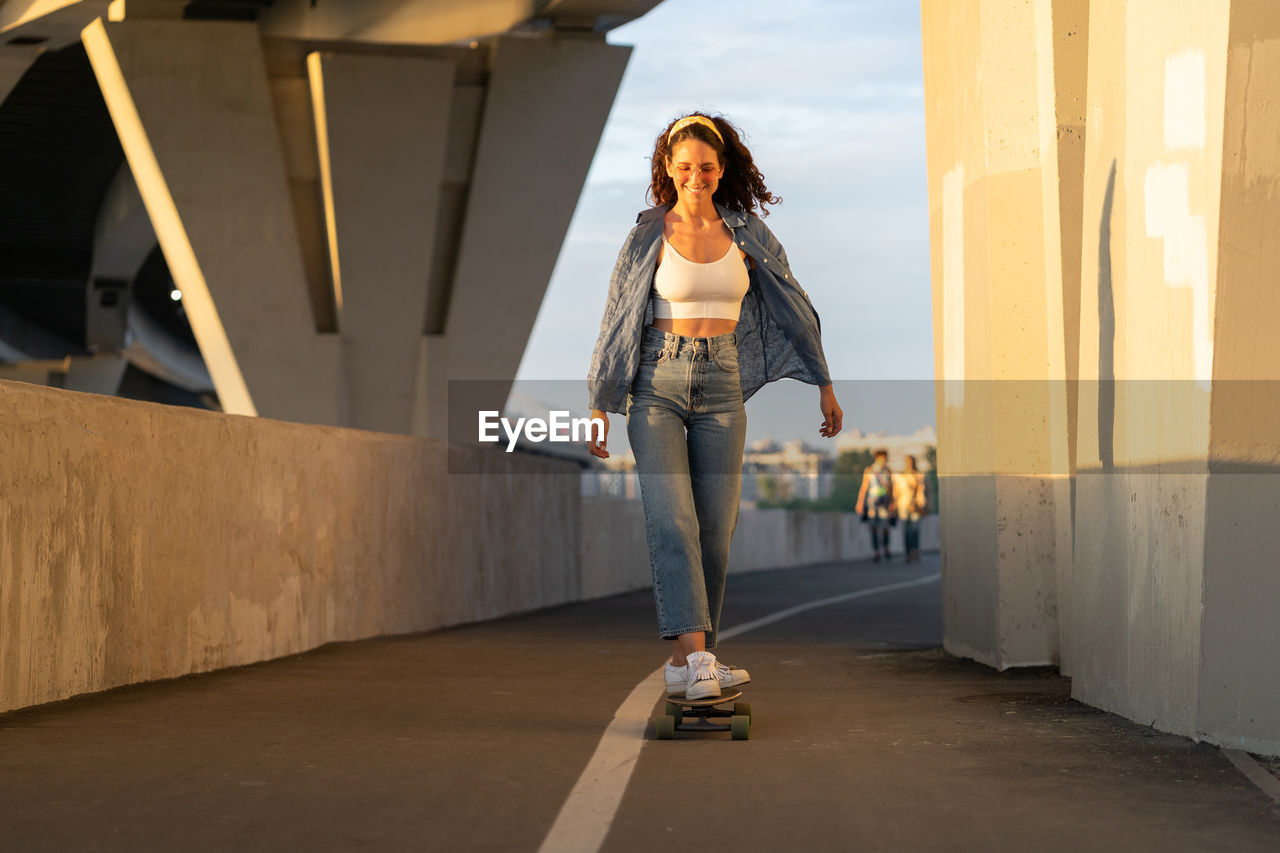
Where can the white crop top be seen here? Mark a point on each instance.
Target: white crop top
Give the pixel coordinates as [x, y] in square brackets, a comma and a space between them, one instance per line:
[684, 290]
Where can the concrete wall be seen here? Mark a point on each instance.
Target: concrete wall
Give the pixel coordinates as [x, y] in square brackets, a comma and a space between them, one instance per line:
[615, 555]
[1167, 166]
[140, 541]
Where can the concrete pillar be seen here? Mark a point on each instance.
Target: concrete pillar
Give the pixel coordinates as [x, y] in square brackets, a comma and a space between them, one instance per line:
[1000, 353]
[99, 374]
[192, 107]
[1070, 79]
[1239, 669]
[1177, 489]
[1153, 174]
[42, 25]
[123, 236]
[14, 62]
[382, 148]
[35, 371]
[440, 239]
[546, 105]
[1166, 185]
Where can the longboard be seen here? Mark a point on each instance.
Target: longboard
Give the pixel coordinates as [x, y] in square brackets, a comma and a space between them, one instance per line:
[701, 712]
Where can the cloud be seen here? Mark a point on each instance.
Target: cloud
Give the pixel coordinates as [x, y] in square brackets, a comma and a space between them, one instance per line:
[830, 95]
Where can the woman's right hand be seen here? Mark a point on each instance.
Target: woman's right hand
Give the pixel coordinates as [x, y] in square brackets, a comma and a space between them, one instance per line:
[598, 448]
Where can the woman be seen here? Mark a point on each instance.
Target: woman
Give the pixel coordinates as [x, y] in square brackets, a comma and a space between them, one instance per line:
[909, 488]
[702, 311]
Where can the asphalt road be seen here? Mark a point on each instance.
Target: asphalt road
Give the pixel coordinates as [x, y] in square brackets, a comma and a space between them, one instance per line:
[866, 736]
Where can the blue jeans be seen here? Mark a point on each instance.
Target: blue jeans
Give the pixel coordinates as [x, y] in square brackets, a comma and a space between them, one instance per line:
[687, 427]
[911, 532]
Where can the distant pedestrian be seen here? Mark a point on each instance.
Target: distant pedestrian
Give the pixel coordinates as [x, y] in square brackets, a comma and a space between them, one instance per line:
[876, 504]
[910, 488]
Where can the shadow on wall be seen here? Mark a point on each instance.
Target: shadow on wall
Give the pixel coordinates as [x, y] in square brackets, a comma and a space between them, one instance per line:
[1106, 333]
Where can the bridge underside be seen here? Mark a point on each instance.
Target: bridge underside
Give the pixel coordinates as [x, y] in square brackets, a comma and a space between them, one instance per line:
[311, 212]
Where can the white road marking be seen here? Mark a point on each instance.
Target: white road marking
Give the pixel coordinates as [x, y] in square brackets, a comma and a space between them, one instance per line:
[587, 814]
[824, 602]
[1254, 772]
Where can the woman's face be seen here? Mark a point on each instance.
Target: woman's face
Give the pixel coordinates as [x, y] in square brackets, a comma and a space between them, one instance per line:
[695, 168]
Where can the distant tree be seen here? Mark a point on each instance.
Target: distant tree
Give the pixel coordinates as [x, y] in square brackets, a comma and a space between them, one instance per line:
[931, 477]
[774, 492]
[854, 462]
[847, 479]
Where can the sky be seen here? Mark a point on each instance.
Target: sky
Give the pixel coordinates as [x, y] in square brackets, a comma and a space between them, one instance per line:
[829, 94]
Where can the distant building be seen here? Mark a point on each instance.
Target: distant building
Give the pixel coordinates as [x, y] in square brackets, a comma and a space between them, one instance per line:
[899, 446]
[613, 477]
[784, 472]
[770, 469]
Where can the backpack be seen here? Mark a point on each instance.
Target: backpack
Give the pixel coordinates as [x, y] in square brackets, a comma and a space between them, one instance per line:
[880, 485]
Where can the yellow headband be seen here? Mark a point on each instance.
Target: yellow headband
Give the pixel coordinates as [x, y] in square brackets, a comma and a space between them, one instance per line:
[685, 122]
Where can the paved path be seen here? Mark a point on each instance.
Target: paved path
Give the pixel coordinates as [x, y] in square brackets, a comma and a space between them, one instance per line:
[866, 737]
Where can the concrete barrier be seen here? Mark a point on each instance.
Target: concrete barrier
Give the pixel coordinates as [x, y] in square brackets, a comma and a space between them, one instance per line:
[140, 542]
[777, 538]
[615, 556]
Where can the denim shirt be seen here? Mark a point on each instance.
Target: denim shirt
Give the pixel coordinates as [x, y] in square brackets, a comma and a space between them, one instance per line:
[778, 332]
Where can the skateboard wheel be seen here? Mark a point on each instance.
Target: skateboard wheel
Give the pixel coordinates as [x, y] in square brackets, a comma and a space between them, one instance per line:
[739, 727]
[664, 727]
[673, 710]
[742, 709]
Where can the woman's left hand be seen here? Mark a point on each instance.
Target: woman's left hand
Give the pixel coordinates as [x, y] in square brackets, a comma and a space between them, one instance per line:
[832, 416]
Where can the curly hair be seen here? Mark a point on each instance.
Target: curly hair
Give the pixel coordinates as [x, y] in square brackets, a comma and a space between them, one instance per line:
[742, 187]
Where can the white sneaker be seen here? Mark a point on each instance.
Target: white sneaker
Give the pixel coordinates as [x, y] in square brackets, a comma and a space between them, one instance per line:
[702, 682]
[677, 677]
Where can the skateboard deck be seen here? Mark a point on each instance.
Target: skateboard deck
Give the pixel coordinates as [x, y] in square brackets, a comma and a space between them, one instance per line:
[725, 696]
[698, 715]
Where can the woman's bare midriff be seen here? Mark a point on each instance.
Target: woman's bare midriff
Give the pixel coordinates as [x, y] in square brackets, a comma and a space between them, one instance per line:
[704, 327]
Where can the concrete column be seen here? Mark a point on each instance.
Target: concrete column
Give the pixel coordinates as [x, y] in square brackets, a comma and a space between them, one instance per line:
[1000, 352]
[35, 371]
[547, 102]
[99, 374]
[14, 62]
[382, 145]
[1153, 175]
[40, 25]
[1165, 182]
[192, 107]
[1070, 79]
[1239, 670]
[96, 374]
[440, 244]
